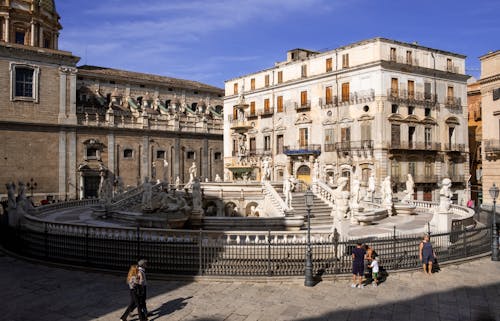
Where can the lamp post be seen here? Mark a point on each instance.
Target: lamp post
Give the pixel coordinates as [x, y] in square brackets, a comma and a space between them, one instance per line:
[494, 244]
[309, 281]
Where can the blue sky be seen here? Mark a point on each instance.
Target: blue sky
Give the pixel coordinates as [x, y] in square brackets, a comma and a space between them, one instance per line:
[215, 40]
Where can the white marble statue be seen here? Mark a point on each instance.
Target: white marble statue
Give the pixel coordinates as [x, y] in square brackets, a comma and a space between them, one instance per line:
[192, 172]
[386, 190]
[355, 189]
[217, 178]
[177, 184]
[341, 198]
[266, 170]
[316, 173]
[196, 194]
[288, 185]
[165, 170]
[445, 195]
[371, 186]
[410, 189]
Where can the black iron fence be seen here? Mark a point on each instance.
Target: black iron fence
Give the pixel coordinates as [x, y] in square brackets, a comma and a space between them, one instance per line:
[243, 254]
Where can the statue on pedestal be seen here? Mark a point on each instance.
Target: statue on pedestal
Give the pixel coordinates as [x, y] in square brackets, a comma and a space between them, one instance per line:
[147, 194]
[371, 187]
[410, 189]
[341, 198]
[386, 189]
[445, 196]
[287, 190]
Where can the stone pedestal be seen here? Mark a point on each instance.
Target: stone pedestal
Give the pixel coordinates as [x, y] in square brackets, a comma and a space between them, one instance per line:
[196, 218]
[441, 222]
[343, 227]
[404, 209]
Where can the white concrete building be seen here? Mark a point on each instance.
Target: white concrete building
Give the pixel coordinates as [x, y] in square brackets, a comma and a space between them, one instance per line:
[377, 106]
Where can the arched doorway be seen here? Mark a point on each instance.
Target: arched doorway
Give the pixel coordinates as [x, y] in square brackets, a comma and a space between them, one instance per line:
[304, 174]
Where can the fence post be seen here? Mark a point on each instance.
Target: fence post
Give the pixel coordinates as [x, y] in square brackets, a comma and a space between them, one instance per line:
[138, 234]
[45, 239]
[200, 252]
[336, 269]
[87, 244]
[465, 240]
[268, 252]
[394, 245]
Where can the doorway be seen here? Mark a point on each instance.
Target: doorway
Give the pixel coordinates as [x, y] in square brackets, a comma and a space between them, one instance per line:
[91, 186]
[304, 174]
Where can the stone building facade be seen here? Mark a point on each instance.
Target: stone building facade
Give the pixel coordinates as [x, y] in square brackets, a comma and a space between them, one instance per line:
[475, 138]
[65, 127]
[378, 106]
[490, 104]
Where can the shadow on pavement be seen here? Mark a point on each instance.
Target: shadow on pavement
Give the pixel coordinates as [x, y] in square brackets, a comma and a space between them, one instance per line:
[168, 308]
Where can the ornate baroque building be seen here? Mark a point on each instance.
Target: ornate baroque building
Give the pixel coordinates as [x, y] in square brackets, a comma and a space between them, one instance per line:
[475, 138]
[490, 104]
[63, 127]
[377, 106]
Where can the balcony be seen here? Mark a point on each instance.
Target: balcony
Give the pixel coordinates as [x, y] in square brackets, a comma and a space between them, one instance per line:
[302, 150]
[303, 106]
[453, 102]
[457, 178]
[266, 112]
[425, 179]
[240, 125]
[411, 97]
[357, 97]
[417, 146]
[491, 148]
[404, 60]
[454, 147]
[252, 115]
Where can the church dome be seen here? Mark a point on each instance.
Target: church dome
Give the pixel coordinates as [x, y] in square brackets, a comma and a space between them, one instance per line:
[48, 5]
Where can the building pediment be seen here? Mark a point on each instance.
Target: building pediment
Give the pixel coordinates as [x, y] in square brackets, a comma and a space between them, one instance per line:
[429, 121]
[412, 119]
[303, 119]
[395, 117]
[366, 118]
[452, 121]
[329, 122]
[267, 130]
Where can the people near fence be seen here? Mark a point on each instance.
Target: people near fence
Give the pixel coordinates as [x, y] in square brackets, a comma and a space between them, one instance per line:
[374, 269]
[426, 254]
[133, 281]
[358, 265]
[142, 285]
[368, 259]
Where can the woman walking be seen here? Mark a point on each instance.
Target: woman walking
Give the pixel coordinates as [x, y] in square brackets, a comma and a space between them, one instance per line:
[134, 281]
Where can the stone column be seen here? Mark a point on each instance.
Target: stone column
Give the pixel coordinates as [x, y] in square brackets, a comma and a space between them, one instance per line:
[72, 96]
[7, 30]
[62, 95]
[111, 153]
[145, 159]
[32, 36]
[204, 160]
[72, 174]
[62, 165]
[177, 158]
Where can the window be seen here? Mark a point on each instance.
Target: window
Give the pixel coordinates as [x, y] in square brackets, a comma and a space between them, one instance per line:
[160, 154]
[91, 153]
[235, 88]
[279, 144]
[411, 110]
[266, 80]
[366, 133]
[303, 71]
[252, 108]
[266, 106]
[235, 147]
[345, 91]
[128, 153]
[328, 95]
[267, 143]
[496, 94]
[393, 54]
[411, 137]
[190, 155]
[449, 64]
[329, 139]
[345, 137]
[253, 146]
[24, 82]
[451, 136]
[428, 137]
[303, 137]
[427, 91]
[303, 98]
[409, 59]
[328, 63]
[280, 77]
[217, 156]
[235, 113]
[449, 95]
[427, 112]
[394, 87]
[411, 89]
[46, 42]
[279, 104]
[345, 61]
[412, 166]
[395, 169]
[252, 84]
[395, 136]
[394, 108]
[19, 37]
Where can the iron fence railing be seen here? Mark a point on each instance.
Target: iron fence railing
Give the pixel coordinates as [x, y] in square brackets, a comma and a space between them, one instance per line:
[231, 254]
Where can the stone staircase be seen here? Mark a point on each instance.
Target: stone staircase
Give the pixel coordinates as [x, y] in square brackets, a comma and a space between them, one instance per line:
[321, 221]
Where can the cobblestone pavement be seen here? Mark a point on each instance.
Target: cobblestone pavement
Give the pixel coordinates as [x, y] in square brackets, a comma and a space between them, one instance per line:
[34, 292]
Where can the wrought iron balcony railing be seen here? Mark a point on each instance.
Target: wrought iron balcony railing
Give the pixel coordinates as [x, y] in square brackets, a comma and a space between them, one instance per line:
[411, 97]
[429, 146]
[302, 150]
[453, 102]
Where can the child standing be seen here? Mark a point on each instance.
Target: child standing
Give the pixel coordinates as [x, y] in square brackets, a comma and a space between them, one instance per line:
[374, 267]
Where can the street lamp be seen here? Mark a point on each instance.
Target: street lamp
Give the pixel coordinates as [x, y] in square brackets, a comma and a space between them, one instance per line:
[494, 244]
[309, 281]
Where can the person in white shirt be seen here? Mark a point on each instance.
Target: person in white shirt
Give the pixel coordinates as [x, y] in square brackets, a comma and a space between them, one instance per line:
[374, 267]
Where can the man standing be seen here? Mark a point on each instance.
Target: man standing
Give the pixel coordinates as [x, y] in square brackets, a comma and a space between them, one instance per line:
[142, 264]
[358, 266]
